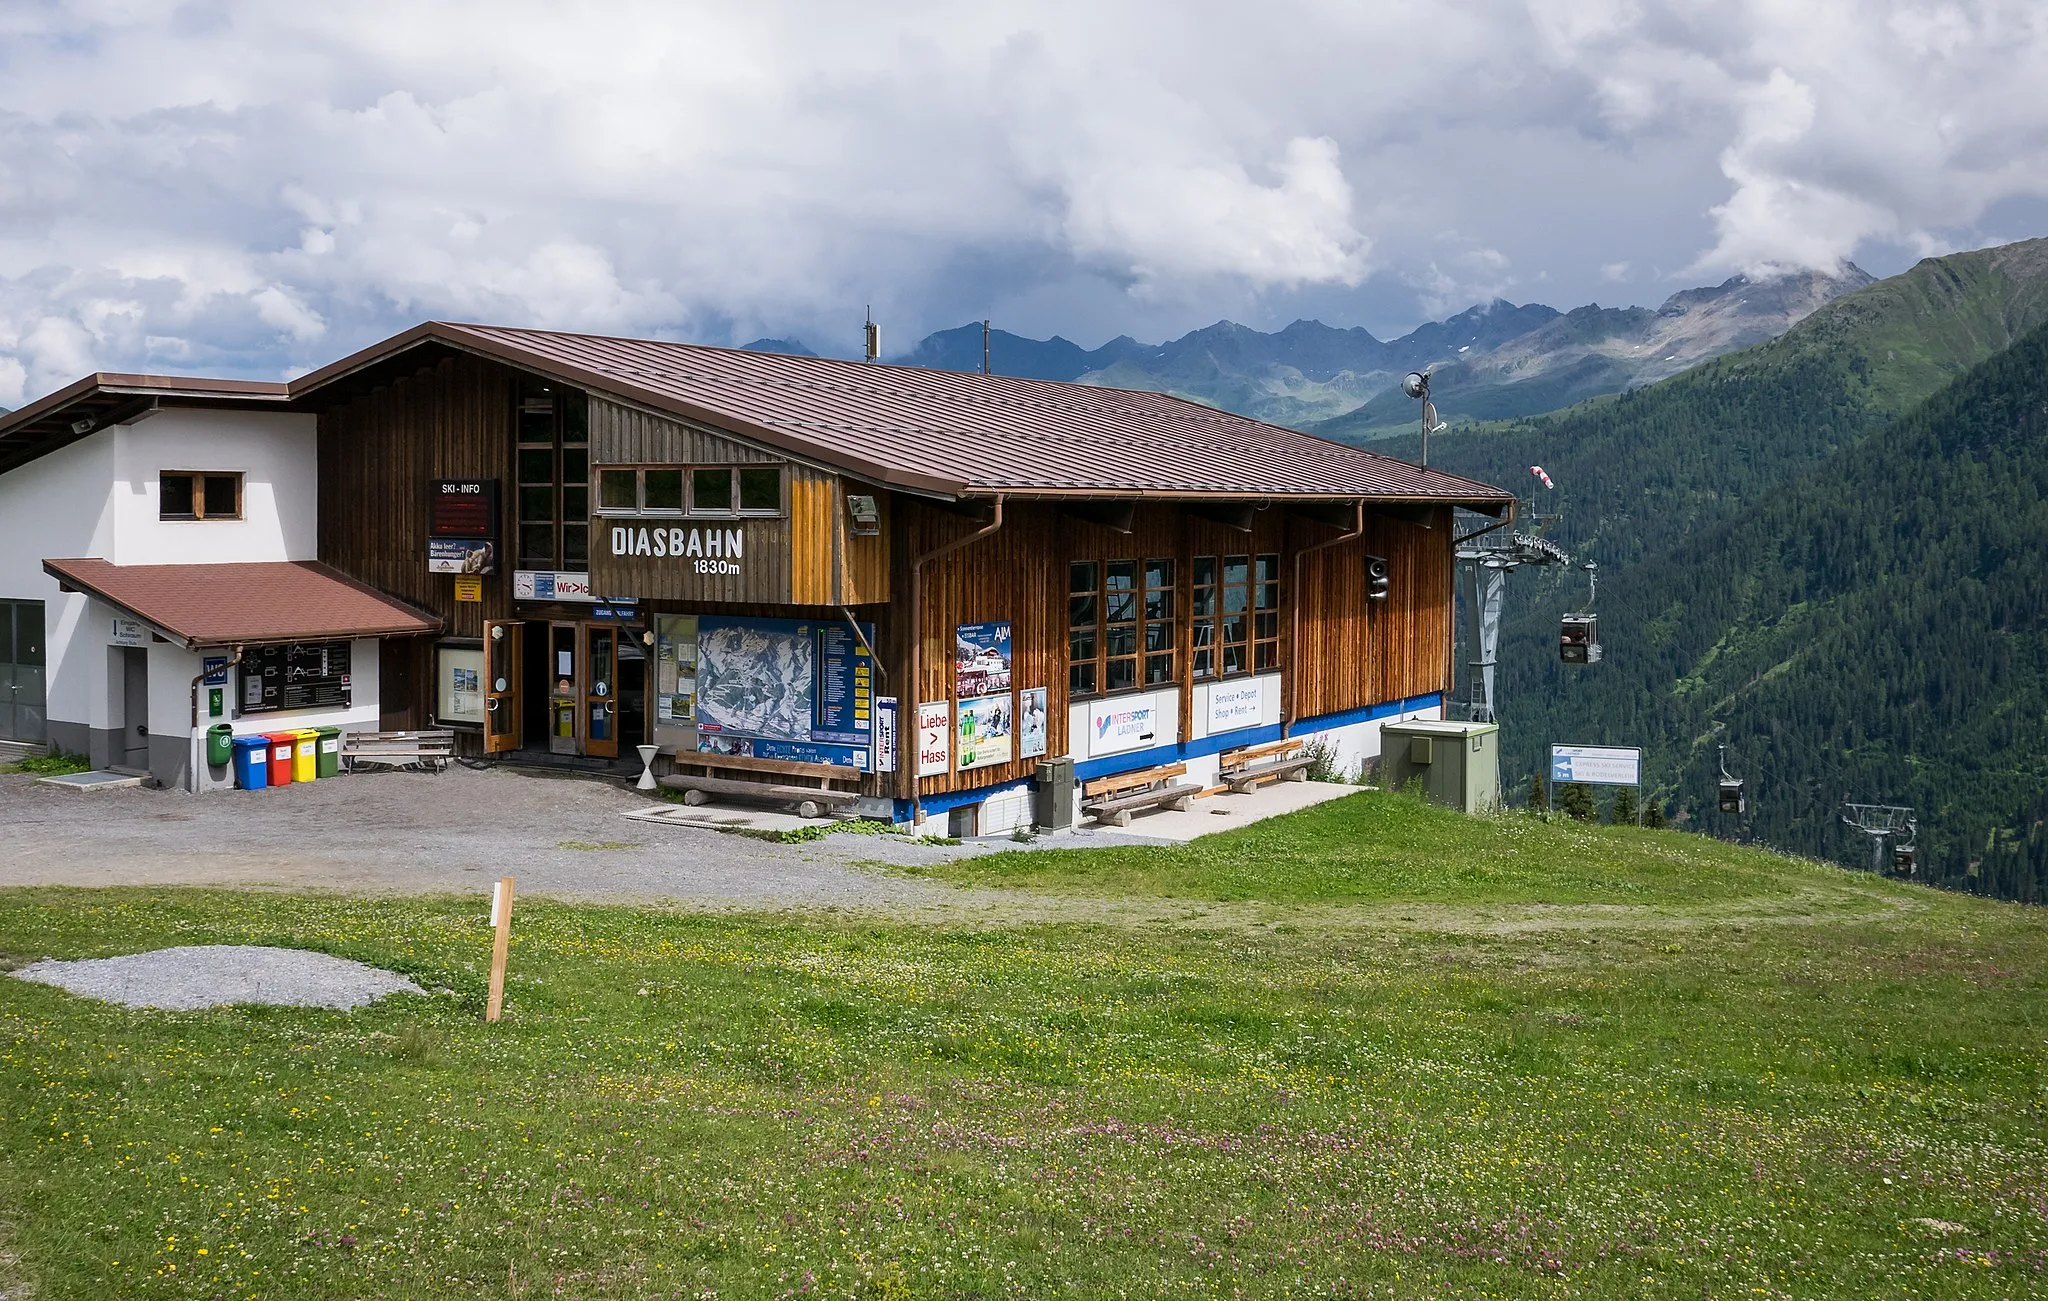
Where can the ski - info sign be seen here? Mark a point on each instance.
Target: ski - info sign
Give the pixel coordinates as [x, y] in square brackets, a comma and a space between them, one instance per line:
[1596, 765]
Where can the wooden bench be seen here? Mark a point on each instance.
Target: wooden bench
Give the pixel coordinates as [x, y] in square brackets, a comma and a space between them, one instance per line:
[1244, 769]
[1112, 800]
[808, 801]
[421, 750]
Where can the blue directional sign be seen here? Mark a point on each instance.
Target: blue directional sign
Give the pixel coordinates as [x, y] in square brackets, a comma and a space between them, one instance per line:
[1596, 765]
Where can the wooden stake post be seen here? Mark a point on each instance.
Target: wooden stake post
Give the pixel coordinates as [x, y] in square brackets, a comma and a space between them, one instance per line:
[501, 919]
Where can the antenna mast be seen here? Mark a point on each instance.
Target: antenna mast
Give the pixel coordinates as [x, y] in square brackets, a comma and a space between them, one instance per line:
[984, 346]
[872, 334]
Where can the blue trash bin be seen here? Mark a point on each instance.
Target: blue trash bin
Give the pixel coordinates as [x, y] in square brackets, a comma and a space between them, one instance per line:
[252, 762]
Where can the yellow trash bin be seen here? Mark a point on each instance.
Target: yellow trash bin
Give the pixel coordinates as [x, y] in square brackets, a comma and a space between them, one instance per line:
[305, 755]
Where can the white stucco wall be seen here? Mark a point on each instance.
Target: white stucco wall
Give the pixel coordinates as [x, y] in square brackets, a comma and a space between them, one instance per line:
[97, 498]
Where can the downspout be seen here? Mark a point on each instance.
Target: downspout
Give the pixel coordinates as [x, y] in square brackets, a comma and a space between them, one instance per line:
[1294, 618]
[917, 644]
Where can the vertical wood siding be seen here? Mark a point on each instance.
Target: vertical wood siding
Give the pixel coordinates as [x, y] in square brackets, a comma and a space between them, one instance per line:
[377, 454]
[1357, 652]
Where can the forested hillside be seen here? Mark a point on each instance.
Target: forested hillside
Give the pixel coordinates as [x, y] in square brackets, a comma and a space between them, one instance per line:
[1852, 604]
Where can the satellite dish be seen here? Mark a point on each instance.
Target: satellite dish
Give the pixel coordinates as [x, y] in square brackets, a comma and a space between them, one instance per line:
[1415, 384]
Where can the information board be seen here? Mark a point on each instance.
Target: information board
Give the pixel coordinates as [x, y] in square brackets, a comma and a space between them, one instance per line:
[303, 675]
[784, 689]
[1596, 765]
[463, 508]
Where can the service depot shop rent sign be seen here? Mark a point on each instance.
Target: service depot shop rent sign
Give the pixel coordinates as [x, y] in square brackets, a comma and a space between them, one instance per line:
[704, 550]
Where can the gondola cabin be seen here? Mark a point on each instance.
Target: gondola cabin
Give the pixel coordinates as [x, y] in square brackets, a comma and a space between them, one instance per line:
[1578, 639]
[1734, 795]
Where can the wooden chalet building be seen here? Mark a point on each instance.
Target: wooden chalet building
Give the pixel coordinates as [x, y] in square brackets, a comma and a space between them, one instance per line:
[918, 584]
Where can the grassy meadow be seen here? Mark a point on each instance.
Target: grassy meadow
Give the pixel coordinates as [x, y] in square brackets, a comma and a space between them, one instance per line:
[1370, 1050]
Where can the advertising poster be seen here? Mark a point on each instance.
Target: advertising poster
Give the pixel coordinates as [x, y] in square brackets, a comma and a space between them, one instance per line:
[1031, 723]
[934, 738]
[981, 658]
[462, 686]
[1115, 726]
[782, 689]
[447, 556]
[987, 727]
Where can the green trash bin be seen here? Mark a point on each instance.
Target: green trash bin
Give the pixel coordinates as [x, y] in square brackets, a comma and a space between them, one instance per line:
[220, 744]
[328, 762]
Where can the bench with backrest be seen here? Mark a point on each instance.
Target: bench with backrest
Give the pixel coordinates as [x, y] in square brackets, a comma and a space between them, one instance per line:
[802, 786]
[1244, 769]
[429, 749]
[1112, 800]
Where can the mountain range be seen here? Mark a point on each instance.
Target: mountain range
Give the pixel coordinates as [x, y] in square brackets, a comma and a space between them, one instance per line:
[1493, 361]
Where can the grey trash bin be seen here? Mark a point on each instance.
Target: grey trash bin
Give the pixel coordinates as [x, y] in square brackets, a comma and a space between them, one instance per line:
[1053, 806]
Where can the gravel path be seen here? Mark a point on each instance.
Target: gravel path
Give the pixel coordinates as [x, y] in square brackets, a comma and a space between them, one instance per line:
[562, 836]
[221, 975]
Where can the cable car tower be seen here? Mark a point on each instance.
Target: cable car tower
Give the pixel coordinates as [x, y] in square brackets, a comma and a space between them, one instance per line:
[1886, 825]
[1485, 557]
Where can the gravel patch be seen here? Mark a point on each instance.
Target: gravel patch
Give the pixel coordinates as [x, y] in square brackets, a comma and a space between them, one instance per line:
[220, 975]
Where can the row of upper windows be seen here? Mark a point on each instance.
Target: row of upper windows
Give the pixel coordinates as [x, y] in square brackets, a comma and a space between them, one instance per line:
[1123, 621]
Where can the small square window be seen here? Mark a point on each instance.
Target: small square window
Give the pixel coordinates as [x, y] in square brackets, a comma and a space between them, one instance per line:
[761, 491]
[618, 490]
[222, 497]
[711, 491]
[174, 499]
[664, 490]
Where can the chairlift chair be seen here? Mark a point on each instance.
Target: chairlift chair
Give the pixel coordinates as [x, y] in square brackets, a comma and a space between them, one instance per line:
[1906, 854]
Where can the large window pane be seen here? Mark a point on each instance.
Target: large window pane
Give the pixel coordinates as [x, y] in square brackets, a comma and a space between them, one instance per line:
[761, 490]
[1123, 574]
[1081, 576]
[537, 504]
[537, 546]
[537, 425]
[575, 503]
[1158, 636]
[1122, 638]
[1123, 675]
[1159, 605]
[711, 490]
[575, 546]
[1204, 571]
[1123, 607]
[575, 418]
[618, 490]
[1081, 611]
[1081, 679]
[1237, 569]
[1158, 669]
[536, 465]
[1159, 573]
[8, 614]
[575, 465]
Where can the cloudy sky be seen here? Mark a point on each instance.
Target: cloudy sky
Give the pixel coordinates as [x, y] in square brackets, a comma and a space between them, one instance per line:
[254, 188]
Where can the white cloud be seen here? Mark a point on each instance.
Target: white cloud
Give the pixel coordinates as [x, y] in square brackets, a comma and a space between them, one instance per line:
[253, 187]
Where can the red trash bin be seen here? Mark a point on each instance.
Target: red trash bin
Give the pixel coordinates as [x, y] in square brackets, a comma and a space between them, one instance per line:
[281, 746]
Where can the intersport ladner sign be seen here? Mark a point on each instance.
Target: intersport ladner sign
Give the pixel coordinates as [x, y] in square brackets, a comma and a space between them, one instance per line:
[711, 550]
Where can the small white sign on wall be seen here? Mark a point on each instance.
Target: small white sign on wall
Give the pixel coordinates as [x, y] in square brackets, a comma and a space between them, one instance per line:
[128, 632]
[1114, 726]
[1235, 704]
[934, 738]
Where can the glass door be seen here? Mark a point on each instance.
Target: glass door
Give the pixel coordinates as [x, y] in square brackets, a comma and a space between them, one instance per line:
[565, 688]
[501, 692]
[600, 697]
[21, 672]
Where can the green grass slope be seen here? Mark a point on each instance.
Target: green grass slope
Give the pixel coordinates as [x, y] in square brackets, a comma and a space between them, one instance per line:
[1795, 1081]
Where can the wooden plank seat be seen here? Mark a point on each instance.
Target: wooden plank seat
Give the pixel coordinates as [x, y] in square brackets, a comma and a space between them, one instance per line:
[1244, 769]
[430, 749]
[809, 801]
[1112, 800]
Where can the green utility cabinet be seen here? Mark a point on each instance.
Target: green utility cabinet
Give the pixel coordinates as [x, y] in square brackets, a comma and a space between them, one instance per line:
[1458, 763]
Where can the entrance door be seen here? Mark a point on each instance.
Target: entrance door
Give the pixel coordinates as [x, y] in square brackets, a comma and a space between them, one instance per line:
[601, 690]
[397, 707]
[501, 692]
[22, 714]
[135, 707]
[565, 687]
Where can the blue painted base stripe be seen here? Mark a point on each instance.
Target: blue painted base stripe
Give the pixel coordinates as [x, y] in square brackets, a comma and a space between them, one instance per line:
[1199, 748]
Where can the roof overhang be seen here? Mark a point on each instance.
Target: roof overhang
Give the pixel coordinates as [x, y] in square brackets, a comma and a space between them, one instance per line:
[82, 409]
[258, 603]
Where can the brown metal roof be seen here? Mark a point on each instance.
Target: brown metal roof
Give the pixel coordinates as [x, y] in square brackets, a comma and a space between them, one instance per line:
[248, 604]
[949, 432]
